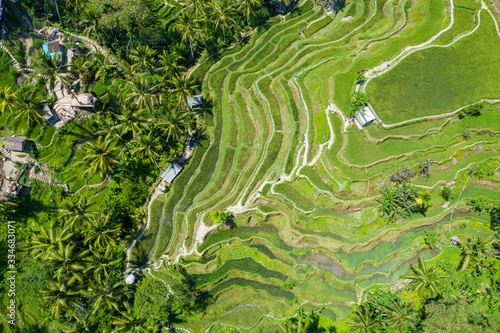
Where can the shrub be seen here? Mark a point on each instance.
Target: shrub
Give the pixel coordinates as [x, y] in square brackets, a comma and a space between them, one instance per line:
[446, 193]
[473, 110]
[358, 101]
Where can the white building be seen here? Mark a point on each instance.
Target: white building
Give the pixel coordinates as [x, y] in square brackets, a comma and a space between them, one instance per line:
[364, 117]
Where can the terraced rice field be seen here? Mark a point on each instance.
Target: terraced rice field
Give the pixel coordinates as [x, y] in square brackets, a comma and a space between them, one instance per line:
[302, 183]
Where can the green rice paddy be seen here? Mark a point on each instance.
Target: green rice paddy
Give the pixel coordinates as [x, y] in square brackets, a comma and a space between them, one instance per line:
[306, 231]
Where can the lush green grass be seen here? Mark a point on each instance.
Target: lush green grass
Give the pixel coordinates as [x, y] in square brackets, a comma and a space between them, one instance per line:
[8, 73]
[440, 80]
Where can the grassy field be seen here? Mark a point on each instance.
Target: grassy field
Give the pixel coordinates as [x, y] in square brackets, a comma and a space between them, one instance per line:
[440, 80]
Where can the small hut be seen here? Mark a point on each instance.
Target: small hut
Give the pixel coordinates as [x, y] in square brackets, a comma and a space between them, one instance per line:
[365, 117]
[173, 170]
[195, 101]
[15, 143]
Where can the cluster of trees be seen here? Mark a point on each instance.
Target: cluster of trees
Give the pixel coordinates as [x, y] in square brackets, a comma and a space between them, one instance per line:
[183, 27]
[443, 298]
[358, 101]
[401, 200]
[473, 110]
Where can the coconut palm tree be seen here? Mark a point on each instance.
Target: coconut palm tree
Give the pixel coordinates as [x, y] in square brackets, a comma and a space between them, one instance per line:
[104, 66]
[223, 15]
[174, 124]
[83, 325]
[100, 263]
[169, 65]
[148, 146]
[425, 281]
[400, 316]
[184, 24]
[472, 251]
[90, 19]
[143, 57]
[106, 125]
[51, 68]
[197, 7]
[68, 263]
[102, 233]
[60, 297]
[363, 320]
[75, 212]
[105, 292]
[100, 156]
[29, 104]
[142, 91]
[131, 120]
[182, 87]
[48, 241]
[74, 4]
[249, 7]
[8, 99]
[127, 322]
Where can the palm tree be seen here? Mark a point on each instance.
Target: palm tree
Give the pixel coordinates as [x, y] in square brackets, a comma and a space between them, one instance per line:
[127, 322]
[143, 57]
[100, 263]
[8, 99]
[131, 120]
[102, 233]
[148, 146]
[127, 70]
[199, 8]
[75, 4]
[29, 104]
[59, 297]
[400, 316]
[100, 155]
[48, 241]
[143, 92]
[76, 211]
[79, 63]
[105, 292]
[169, 65]
[83, 325]
[104, 65]
[389, 201]
[223, 15]
[184, 24]
[363, 320]
[174, 124]
[472, 251]
[425, 281]
[249, 7]
[182, 87]
[90, 19]
[68, 262]
[51, 68]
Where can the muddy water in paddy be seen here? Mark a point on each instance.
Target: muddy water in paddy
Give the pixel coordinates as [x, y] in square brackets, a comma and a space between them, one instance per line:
[324, 262]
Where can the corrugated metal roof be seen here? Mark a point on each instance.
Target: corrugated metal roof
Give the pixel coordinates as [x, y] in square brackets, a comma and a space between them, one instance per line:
[195, 101]
[173, 170]
[15, 143]
[365, 117]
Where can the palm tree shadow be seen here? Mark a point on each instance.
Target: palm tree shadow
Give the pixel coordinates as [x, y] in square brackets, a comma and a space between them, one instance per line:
[141, 251]
[208, 106]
